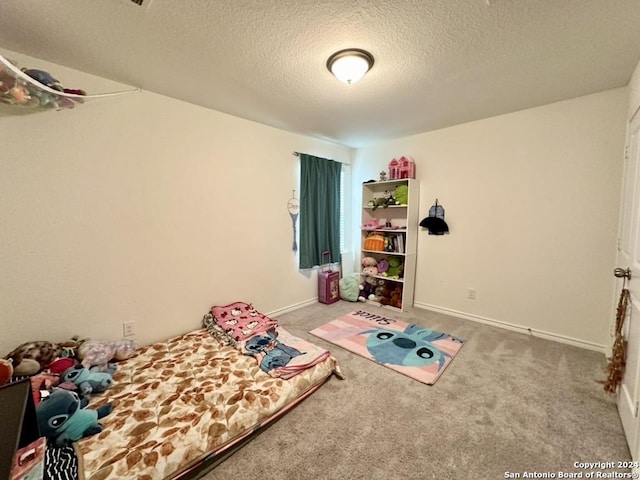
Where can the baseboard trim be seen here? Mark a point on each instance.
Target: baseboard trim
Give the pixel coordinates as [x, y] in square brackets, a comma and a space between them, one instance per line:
[516, 328]
[291, 308]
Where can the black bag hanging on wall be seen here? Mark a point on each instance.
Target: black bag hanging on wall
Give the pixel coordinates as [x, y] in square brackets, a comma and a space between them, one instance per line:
[435, 221]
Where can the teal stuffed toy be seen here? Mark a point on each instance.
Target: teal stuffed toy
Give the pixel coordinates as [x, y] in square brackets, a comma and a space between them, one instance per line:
[349, 288]
[88, 381]
[62, 420]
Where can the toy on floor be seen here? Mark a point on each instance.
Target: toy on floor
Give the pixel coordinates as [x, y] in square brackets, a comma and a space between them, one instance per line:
[391, 295]
[88, 381]
[62, 420]
[368, 289]
[349, 288]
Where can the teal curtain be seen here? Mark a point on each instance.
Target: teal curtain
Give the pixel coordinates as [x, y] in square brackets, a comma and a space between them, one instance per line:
[319, 209]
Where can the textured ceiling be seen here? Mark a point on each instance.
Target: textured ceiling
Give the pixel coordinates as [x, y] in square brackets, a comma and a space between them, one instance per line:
[438, 62]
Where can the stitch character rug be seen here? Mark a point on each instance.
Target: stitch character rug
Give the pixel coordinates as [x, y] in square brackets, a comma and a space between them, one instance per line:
[417, 352]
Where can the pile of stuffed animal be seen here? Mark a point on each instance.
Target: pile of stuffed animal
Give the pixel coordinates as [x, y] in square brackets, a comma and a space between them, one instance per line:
[378, 289]
[63, 376]
[15, 90]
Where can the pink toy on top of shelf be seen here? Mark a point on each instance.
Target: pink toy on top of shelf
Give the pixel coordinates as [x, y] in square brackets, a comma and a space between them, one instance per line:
[403, 167]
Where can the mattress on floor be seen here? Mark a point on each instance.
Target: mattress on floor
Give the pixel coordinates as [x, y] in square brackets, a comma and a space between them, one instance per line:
[183, 401]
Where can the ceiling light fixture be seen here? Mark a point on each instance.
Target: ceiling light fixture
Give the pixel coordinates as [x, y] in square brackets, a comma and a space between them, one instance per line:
[350, 65]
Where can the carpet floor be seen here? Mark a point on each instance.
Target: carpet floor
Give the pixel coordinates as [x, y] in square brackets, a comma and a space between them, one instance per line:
[510, 403]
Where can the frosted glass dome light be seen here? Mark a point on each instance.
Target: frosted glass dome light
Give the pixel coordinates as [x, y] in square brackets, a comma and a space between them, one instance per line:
[350, 65]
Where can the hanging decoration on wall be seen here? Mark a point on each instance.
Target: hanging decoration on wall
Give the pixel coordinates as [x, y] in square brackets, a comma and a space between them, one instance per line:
[435, 221]
[293, 205]
[32, 90]
[618, 360]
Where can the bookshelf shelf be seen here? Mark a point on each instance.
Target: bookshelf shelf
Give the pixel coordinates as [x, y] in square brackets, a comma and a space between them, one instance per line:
[390, 235]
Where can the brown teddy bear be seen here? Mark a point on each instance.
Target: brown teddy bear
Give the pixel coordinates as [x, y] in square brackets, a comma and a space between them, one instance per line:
[396, 297]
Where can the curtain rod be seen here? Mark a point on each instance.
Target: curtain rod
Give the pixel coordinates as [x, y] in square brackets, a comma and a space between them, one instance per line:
[297, 154]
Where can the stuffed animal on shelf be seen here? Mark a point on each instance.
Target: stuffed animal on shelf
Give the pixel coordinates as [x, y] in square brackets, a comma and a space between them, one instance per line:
[396, 297]
[369, 261]
[383, 266]
[88, 381]
[402, 194]
[384, 294]
[369, 266]
[62, 420]
[377, 202]
[395, 269]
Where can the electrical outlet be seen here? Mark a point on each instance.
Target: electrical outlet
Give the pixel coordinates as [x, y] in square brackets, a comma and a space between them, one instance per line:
[471, 293]
[129, 329]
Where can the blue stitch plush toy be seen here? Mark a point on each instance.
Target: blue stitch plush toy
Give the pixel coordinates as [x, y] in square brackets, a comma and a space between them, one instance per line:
[276, 354]
[63, 421]
[88, 381]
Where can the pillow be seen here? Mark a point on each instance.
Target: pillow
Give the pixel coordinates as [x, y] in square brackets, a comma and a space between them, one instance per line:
[98, 352]
[349, 288]
[241, 320]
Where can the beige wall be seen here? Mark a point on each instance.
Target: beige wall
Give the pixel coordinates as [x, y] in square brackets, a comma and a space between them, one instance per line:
[145, 209]
[531, 199]
[149, 209]
[634, 92]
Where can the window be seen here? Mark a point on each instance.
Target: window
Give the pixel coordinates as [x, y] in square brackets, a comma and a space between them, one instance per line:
[321, 213]
[345, 208]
